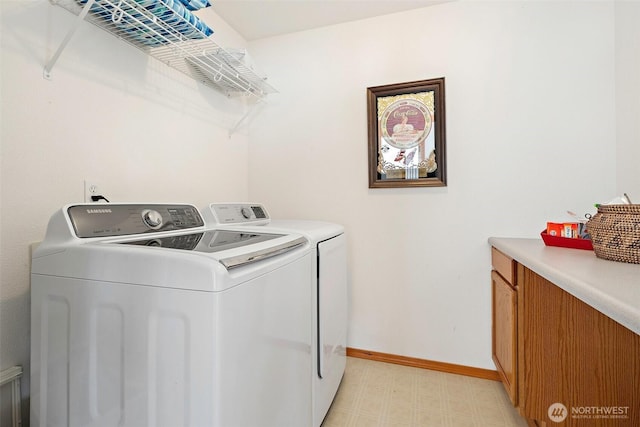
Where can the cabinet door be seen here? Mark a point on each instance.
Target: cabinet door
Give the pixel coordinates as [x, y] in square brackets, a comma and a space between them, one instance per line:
[505, 333]
[575, 355]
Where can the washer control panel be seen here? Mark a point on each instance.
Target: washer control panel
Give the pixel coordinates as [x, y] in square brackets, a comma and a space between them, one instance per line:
[106, 220]
[237, 213]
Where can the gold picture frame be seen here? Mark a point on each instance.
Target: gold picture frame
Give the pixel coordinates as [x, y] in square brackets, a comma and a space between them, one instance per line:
[407, 136]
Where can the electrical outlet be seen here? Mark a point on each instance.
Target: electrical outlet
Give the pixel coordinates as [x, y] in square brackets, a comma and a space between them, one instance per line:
[90, 189]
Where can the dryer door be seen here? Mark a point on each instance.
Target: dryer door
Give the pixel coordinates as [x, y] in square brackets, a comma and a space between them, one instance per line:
[332, 306]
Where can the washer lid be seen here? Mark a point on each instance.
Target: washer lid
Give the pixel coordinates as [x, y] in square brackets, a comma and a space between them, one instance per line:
[236, 247]
[210, 241]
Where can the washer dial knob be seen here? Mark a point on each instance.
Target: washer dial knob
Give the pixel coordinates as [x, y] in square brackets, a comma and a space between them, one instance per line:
[246, 212]
[152, 218]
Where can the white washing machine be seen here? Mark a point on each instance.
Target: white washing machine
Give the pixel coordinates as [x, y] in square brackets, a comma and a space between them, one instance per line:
[329, 281]
[141, 316]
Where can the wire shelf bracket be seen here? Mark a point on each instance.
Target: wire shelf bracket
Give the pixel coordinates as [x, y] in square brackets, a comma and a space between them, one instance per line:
[83, 13]
[252, 109]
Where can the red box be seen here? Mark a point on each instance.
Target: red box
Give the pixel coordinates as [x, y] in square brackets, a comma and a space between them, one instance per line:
[565, 242]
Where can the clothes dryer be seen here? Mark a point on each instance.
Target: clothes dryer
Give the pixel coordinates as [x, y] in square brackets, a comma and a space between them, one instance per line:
[142, 316]
[329, 281]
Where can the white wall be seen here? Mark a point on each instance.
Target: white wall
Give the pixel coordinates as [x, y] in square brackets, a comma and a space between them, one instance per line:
[530, 133]
[628, 98]
[111, 114]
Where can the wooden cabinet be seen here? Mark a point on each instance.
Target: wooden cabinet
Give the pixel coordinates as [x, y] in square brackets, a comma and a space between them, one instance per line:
[552, 350]
[572, 354]
[504, 321]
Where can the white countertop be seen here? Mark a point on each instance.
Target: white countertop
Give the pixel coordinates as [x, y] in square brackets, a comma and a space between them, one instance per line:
[611, 287]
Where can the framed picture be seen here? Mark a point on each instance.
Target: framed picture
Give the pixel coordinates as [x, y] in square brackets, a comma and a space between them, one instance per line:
[407, 137]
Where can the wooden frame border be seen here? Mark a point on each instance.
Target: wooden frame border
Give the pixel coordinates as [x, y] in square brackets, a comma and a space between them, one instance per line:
[411, 99]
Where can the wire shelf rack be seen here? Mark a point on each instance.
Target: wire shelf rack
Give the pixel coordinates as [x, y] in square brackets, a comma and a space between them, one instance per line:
[168, 32]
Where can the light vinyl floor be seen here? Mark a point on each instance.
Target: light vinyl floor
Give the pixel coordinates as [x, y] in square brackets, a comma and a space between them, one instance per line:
[388, 395]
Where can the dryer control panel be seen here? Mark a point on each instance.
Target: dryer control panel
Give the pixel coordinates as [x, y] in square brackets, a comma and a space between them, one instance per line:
[106, 220]
[236, 214]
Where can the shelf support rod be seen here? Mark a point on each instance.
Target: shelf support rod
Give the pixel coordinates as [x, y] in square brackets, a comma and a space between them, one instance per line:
[244, 117]
[72, 30]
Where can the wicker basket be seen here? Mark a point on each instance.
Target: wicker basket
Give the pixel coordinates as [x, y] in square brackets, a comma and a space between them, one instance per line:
[615, 233]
